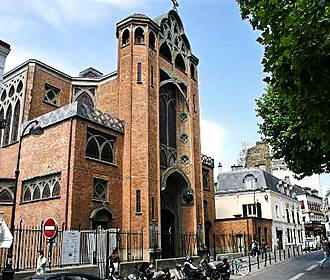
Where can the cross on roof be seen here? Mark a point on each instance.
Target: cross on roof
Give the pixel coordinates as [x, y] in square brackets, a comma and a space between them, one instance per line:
[175, 4]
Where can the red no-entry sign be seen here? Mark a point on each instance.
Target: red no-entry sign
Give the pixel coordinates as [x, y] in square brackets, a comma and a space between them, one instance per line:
[50, 228]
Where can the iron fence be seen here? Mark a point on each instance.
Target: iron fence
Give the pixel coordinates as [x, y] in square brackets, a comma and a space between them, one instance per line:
[229, 243]
[95, 247]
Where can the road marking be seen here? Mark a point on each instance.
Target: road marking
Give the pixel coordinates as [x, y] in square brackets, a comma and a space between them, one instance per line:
[297, 276]
[311, 267]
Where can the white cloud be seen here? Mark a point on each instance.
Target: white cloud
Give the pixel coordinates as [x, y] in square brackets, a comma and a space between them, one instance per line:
[212, 138]
[61, 13]
[19, 55]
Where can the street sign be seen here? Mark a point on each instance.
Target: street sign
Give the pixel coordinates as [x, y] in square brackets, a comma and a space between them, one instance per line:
[50, 228]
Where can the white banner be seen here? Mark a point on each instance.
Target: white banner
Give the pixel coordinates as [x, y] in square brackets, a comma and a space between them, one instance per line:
[71, 247]
[6, 238]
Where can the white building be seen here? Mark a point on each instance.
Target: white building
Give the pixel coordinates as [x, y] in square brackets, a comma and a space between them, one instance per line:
[254, 192]
[4, 51]
[326, 211]
[280, 170]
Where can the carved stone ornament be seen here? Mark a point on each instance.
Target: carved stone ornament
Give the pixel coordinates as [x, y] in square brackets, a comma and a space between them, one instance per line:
[188, 196]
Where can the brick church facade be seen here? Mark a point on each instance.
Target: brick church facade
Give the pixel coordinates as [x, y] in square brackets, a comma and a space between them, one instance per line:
[120, 149]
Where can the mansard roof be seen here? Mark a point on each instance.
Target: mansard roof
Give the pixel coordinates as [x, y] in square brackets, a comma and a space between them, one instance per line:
[77, 109]
[233, 182]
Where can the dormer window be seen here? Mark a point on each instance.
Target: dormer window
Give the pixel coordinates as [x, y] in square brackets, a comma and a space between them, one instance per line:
[250, 182]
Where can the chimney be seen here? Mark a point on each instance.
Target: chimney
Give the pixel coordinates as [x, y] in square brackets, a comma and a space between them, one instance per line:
[287, 179]
[236, 167]
[262, 167]
[4, 51]
[220, 168]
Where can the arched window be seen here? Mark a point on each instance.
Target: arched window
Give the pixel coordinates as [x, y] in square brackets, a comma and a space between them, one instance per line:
[192, 71]
[85, 99]
[5, 196]
[139, 36]
[92, 149]
[19, 87]
[11, 91]
[250, 182]
[125, 38]
[152, 40]
[179, 63]
[107, 153]
[3, 95]
[167, 119]
[46, 191]
[56, 189]
[100, 146]
[1, 130]
[36, 193]
[8, 124]
[27, 194]
[165, 52]
[15, 125]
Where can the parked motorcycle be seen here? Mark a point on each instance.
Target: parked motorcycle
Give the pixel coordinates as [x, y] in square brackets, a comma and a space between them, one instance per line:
[210, 269]
[193, 272]
[142, 273]
[223, 269]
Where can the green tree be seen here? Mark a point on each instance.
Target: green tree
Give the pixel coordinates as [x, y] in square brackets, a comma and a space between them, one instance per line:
[295, 108]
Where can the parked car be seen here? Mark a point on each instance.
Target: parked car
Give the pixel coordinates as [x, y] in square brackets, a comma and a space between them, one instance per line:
[63, 276]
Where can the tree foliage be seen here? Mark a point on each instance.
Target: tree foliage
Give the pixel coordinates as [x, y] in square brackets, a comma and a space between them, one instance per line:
[296, 105]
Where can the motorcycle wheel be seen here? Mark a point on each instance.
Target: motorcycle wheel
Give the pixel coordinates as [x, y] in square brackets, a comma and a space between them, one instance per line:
[215, 275]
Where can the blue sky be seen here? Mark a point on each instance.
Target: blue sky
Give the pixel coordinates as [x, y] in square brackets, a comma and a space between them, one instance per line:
[72, 35]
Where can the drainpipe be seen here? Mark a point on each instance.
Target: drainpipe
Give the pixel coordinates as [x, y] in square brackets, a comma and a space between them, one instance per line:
[68, 176]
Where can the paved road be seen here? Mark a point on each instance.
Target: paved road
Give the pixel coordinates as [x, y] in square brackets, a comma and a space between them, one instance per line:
[303, 268]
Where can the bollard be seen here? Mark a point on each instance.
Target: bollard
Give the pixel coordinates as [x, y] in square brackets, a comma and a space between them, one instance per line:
[265, 259]
[275, 256]
[270, 259]
[249, 263]
[289, 253]
[258, 261]
[280, 255]
[284, 254]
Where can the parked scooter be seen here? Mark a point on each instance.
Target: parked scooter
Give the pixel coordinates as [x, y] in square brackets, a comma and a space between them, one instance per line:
[193, 272]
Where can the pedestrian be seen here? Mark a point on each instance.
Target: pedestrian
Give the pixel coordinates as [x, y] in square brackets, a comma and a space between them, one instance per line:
[254, 248]
[114, 261]
[263, 249]
[326, 252]
[41, 263]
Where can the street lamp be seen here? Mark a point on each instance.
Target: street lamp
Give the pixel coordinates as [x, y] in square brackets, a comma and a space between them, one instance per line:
[8, 273]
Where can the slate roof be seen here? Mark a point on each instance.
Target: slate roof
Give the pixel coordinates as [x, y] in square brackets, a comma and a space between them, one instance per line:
[77, 109]
[233, 181]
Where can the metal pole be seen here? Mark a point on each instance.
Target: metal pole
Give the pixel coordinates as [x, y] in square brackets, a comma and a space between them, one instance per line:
[9, 272]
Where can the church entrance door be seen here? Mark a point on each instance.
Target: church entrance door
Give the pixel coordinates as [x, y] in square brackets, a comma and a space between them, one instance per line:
[171, 215]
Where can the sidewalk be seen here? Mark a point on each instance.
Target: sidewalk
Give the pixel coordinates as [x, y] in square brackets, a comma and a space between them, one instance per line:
[265, 264]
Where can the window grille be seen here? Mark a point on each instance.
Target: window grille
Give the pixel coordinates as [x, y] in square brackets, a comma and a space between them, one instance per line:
[51, 95]
[138, 201]
[100, 189]
[139, 72]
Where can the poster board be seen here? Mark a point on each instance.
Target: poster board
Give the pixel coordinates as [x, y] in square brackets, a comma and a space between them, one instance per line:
[71, 247]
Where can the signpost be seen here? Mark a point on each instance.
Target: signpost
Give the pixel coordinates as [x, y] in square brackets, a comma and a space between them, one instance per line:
[50, 231]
